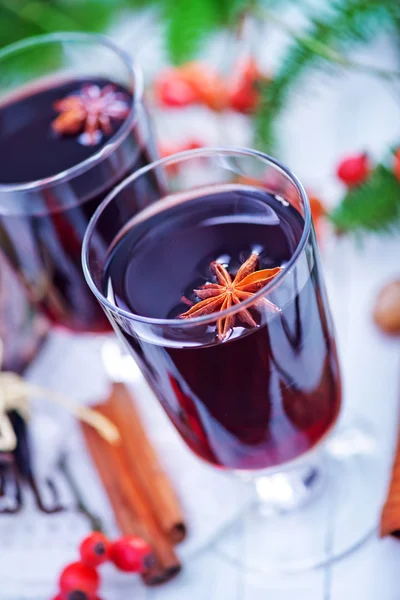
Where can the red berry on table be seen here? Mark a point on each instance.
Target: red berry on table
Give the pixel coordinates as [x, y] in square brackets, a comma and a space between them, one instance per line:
[78, 577]
[78, 595]
[95, 549]
[396, 165]
[131, 554]
[354, 169]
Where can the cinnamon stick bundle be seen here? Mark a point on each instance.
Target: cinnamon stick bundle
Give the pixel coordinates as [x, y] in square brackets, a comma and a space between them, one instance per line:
[137, 488]
[144, 464]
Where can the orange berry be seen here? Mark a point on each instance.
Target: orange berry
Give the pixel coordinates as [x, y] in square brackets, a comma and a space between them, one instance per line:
[317, 208]
[208, 85]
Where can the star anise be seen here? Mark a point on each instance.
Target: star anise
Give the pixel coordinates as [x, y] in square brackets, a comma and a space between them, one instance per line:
[230, 291]
[89, 112]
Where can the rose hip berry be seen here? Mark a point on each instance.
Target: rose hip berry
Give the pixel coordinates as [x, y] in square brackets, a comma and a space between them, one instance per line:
[171, 90]
[396, 165]
[354, 170]
[318, 211]
[78, 595]
[244, 92]
[78, 578]
[131, 554]
[95, 549]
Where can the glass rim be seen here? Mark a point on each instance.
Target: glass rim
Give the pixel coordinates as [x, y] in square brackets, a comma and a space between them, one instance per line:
[179, 157]
[136, 79]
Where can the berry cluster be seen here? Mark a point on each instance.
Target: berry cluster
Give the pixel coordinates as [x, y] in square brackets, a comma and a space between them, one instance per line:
[197, 83]
[81, 581]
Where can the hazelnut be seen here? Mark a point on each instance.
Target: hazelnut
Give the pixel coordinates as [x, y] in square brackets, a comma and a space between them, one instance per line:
[387, 308]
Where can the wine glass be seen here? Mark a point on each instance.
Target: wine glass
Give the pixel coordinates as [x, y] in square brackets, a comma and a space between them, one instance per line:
[72, 125]
[217, 291]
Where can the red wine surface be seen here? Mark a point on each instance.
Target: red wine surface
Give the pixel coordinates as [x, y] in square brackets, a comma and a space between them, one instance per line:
[263, 396]
[42, 231]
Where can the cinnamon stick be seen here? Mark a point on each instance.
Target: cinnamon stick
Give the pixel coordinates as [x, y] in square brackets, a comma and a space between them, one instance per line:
[390, 517]
[143, 462]
[132, 512]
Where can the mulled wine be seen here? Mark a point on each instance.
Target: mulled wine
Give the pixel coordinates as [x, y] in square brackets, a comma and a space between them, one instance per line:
[268, 389]
[43, 134]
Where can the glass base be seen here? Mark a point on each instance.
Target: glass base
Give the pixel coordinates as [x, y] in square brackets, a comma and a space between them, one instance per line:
[305, 518]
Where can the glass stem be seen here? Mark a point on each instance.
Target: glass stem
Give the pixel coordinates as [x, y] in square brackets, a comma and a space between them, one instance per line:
[280, 493]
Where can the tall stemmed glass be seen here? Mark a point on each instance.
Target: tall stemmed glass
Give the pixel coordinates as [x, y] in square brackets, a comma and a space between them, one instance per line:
[218, 293]
[57, 165]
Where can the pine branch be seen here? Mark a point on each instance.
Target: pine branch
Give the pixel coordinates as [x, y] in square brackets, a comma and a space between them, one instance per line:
[373, 206]
[90, 15]
[20, 19]
[327, 38]
[187, 26]
[190, 23]
[231, 10]
[13, 25]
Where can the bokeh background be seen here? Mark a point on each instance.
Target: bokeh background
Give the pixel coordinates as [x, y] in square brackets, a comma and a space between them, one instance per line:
[313, 58]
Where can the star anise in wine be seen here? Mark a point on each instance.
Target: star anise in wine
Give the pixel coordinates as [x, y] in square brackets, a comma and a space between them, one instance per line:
[89, 113]
[230, 291]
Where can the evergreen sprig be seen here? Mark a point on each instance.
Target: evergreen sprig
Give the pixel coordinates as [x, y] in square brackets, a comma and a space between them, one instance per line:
[373, 206]
[345, 23]
[20, 19]
[189, 24]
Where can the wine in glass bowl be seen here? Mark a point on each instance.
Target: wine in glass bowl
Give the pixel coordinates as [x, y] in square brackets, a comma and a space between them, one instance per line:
[66, 139]
[251, 394]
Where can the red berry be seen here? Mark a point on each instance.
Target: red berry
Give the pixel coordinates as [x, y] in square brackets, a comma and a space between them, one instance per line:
[354, 170]
[95, 549]
[171, 90]
[396, 165]
[243, 88]
[165, 150]
[79, 578]
[78, 595]
[317, 208]
[318, 211]
[193, 144]
[131, 554]
[75, 595]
